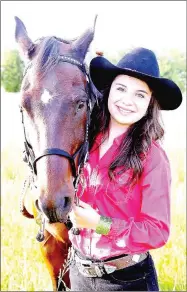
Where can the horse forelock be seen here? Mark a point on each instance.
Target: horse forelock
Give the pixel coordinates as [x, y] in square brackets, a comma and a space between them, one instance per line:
[47, 56]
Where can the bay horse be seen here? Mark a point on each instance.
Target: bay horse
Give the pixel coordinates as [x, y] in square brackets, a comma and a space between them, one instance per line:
[56, 100]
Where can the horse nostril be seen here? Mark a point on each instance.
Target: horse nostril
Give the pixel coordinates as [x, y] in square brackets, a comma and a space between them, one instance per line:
[66, 202]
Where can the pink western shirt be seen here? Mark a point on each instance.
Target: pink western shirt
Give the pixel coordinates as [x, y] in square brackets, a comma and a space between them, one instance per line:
[140, 215]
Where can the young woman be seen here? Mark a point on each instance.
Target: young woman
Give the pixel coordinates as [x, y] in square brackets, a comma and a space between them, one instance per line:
[124, 188]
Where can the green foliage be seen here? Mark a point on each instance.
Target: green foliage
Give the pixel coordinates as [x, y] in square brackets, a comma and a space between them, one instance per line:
[11, 71]
[173, 66]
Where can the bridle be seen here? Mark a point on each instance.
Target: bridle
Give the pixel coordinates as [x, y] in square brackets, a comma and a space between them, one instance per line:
[29, 155]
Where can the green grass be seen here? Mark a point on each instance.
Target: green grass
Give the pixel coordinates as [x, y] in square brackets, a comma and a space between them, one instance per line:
[21, 264]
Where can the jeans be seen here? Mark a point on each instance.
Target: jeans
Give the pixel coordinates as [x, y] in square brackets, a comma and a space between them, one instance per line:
[139, 277]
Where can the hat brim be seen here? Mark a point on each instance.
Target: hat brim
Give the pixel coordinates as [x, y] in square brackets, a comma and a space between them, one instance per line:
[168, 94]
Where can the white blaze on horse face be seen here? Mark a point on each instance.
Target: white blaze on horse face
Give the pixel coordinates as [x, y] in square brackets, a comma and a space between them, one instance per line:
[45, 98]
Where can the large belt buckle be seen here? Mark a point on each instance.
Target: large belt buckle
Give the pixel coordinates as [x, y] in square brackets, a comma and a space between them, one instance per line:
[89, 269]
[109, 268]
[87, 272]
[99, 269]
[85, 268]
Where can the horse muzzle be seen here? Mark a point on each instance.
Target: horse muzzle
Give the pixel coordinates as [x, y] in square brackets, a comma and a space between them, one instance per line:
[55, 211]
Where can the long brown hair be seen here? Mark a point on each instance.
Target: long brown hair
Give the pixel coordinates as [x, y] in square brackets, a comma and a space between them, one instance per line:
[138, 138]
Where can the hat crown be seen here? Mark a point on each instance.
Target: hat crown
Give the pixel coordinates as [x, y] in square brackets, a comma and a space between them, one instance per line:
[141, 60]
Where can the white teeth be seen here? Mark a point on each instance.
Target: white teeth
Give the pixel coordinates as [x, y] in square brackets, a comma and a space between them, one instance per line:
[124, 111]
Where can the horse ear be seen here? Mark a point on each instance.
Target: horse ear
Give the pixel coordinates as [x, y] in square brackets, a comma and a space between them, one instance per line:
[80, 45]
[25, 44]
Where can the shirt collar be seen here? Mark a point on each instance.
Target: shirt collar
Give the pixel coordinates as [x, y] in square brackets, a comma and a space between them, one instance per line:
[99, 138]
[117, 140]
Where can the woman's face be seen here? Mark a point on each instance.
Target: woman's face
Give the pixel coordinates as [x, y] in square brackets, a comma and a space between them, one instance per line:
[128, 100]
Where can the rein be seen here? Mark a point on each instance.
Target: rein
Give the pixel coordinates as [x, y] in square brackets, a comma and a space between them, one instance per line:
[31, 159]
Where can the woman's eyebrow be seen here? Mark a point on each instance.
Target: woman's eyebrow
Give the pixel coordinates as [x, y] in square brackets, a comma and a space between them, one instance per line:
[121, 85]
[140, 90]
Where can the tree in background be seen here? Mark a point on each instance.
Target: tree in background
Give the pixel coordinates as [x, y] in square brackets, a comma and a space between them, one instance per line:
[172, 65]
[11, 71]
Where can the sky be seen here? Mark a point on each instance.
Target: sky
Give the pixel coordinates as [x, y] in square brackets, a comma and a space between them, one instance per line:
[157, 25]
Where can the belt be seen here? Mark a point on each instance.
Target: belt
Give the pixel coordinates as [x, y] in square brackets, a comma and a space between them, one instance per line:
[91, 268]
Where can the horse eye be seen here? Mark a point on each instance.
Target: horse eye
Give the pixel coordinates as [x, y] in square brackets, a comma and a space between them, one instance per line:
[26, 103]
[80, 105]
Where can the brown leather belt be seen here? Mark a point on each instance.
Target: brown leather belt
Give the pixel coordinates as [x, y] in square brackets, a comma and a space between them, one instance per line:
[89, 268]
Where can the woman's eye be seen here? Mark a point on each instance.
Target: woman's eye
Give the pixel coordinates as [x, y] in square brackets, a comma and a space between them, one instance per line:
[121, 89]
[140, 95]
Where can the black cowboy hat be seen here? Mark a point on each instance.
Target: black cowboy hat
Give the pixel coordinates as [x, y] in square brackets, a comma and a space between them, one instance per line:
[140, 63]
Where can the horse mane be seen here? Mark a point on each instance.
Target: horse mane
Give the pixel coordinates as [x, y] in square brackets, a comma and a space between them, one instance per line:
[66, 41]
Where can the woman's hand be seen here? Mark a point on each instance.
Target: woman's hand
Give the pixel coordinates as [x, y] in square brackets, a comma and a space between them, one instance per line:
[84, 216]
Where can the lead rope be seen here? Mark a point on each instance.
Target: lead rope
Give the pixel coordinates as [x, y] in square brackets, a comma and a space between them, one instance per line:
[27, 183]
[64, 270]
[40, 219]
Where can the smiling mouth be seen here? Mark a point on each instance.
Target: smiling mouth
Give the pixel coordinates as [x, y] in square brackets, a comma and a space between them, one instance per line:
[124, 111]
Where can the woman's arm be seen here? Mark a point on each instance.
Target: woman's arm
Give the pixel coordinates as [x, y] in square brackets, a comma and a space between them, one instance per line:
[151, 229]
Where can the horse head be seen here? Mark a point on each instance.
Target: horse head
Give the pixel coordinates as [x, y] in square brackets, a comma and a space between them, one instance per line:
[55, 107]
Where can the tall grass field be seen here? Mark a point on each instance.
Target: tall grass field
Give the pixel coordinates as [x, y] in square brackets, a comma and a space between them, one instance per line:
[22, 267]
